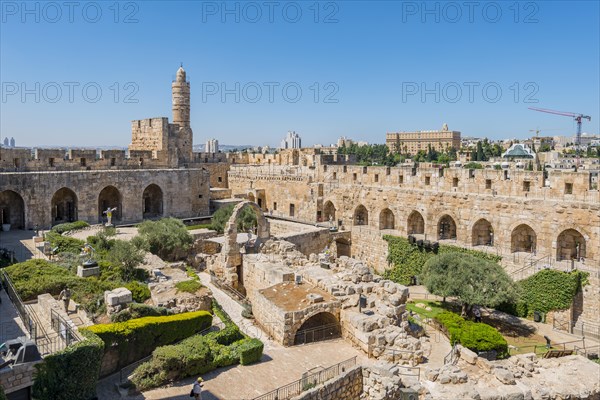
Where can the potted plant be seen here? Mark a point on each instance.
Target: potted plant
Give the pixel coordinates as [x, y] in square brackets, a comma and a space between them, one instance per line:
[5, 227]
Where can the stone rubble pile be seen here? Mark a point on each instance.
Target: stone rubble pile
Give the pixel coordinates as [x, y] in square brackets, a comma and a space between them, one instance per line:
[521, 377]
[380, 328]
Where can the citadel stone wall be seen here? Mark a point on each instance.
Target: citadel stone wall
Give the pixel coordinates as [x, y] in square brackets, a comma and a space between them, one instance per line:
[181, 193]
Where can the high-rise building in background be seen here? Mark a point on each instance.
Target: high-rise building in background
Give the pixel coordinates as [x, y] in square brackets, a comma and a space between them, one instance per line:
[212, 146]
[291, 141]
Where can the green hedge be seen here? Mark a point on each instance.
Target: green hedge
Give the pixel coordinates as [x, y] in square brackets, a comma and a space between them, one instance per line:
[137, 338]
[545, 291]
[250, 351]
[139, 291]
[71, 373]
[197, 355]
[69, 226]
[64, 243]
[472, 335]
[2, 395]
[34, 277]
[407, 259]
[136, 310]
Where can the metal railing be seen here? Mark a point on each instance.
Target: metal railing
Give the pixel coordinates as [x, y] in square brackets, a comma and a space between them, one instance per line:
[452, 357]
[308, 381]
[586, 329]
[127, 370]
[63, 328]
[236, 295]
[541, 349]
[318, 334]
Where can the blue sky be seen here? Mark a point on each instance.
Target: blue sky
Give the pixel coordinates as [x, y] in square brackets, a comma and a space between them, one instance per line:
[369, 63]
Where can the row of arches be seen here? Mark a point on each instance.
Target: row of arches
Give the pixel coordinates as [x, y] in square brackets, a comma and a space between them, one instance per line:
[64, 205]
[570, 244]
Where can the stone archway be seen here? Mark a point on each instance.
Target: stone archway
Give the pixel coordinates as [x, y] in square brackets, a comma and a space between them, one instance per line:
[415, 224]
[343, 247]
[329, 212]
[110, 197]
[12, 209]
[446, 228]
[482, 233]
[523, 239]
[152, 202]
[570, 245]
[64, 206]
[386, 219]
[231, 251]
[361, 215]
[320, 326]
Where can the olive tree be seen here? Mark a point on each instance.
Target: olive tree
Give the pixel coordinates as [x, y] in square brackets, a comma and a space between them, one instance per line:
[469, 279]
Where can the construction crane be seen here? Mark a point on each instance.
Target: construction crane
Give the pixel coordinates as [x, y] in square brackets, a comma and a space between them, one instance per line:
[576, 117]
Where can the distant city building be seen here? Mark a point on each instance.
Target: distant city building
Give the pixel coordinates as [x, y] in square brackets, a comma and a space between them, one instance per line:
[6, 142]
[9, 142]
[291, 141]
[586, 139]
[343, 141]
[469, 142]
[12, 142]
[517, 151]
[212, 146]
[412, 142]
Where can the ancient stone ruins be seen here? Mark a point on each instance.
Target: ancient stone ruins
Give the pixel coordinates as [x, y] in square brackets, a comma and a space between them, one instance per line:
[313, 267]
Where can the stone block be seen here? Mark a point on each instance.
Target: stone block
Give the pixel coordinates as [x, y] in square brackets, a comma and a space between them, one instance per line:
[467, 355]
[89, 271]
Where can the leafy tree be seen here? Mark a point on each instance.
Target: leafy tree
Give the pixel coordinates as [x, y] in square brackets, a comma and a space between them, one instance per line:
[473, 165]
[246, 219]
[471, 280]
[168, 238]
[127, 255]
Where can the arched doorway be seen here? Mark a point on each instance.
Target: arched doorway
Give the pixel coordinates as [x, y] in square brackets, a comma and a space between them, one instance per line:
[482, 233]
[321, 326]
[64, 206]
[416, 224]
[523, 239]
[570, 245]
[386, 219]
[152, 202]
[110, 197]
[329, 211]
[342, 247]
[12, 209]
[361, 216]
[446, 228]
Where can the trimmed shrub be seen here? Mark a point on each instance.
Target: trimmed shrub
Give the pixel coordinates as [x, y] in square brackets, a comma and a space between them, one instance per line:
[136, 310]
[197, 355]
[71, 373]
[250, 351]
[64, 243]
[137, 338]
[69, 226]
[475, 336]
[139, 291]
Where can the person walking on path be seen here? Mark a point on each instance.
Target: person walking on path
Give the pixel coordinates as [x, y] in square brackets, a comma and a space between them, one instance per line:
[197, 389]
[65, 296]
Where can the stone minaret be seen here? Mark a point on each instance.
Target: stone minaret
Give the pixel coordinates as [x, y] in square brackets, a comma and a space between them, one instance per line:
[181, 99]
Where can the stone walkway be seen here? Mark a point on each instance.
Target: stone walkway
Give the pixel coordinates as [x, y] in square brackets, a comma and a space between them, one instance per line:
[11, 326]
